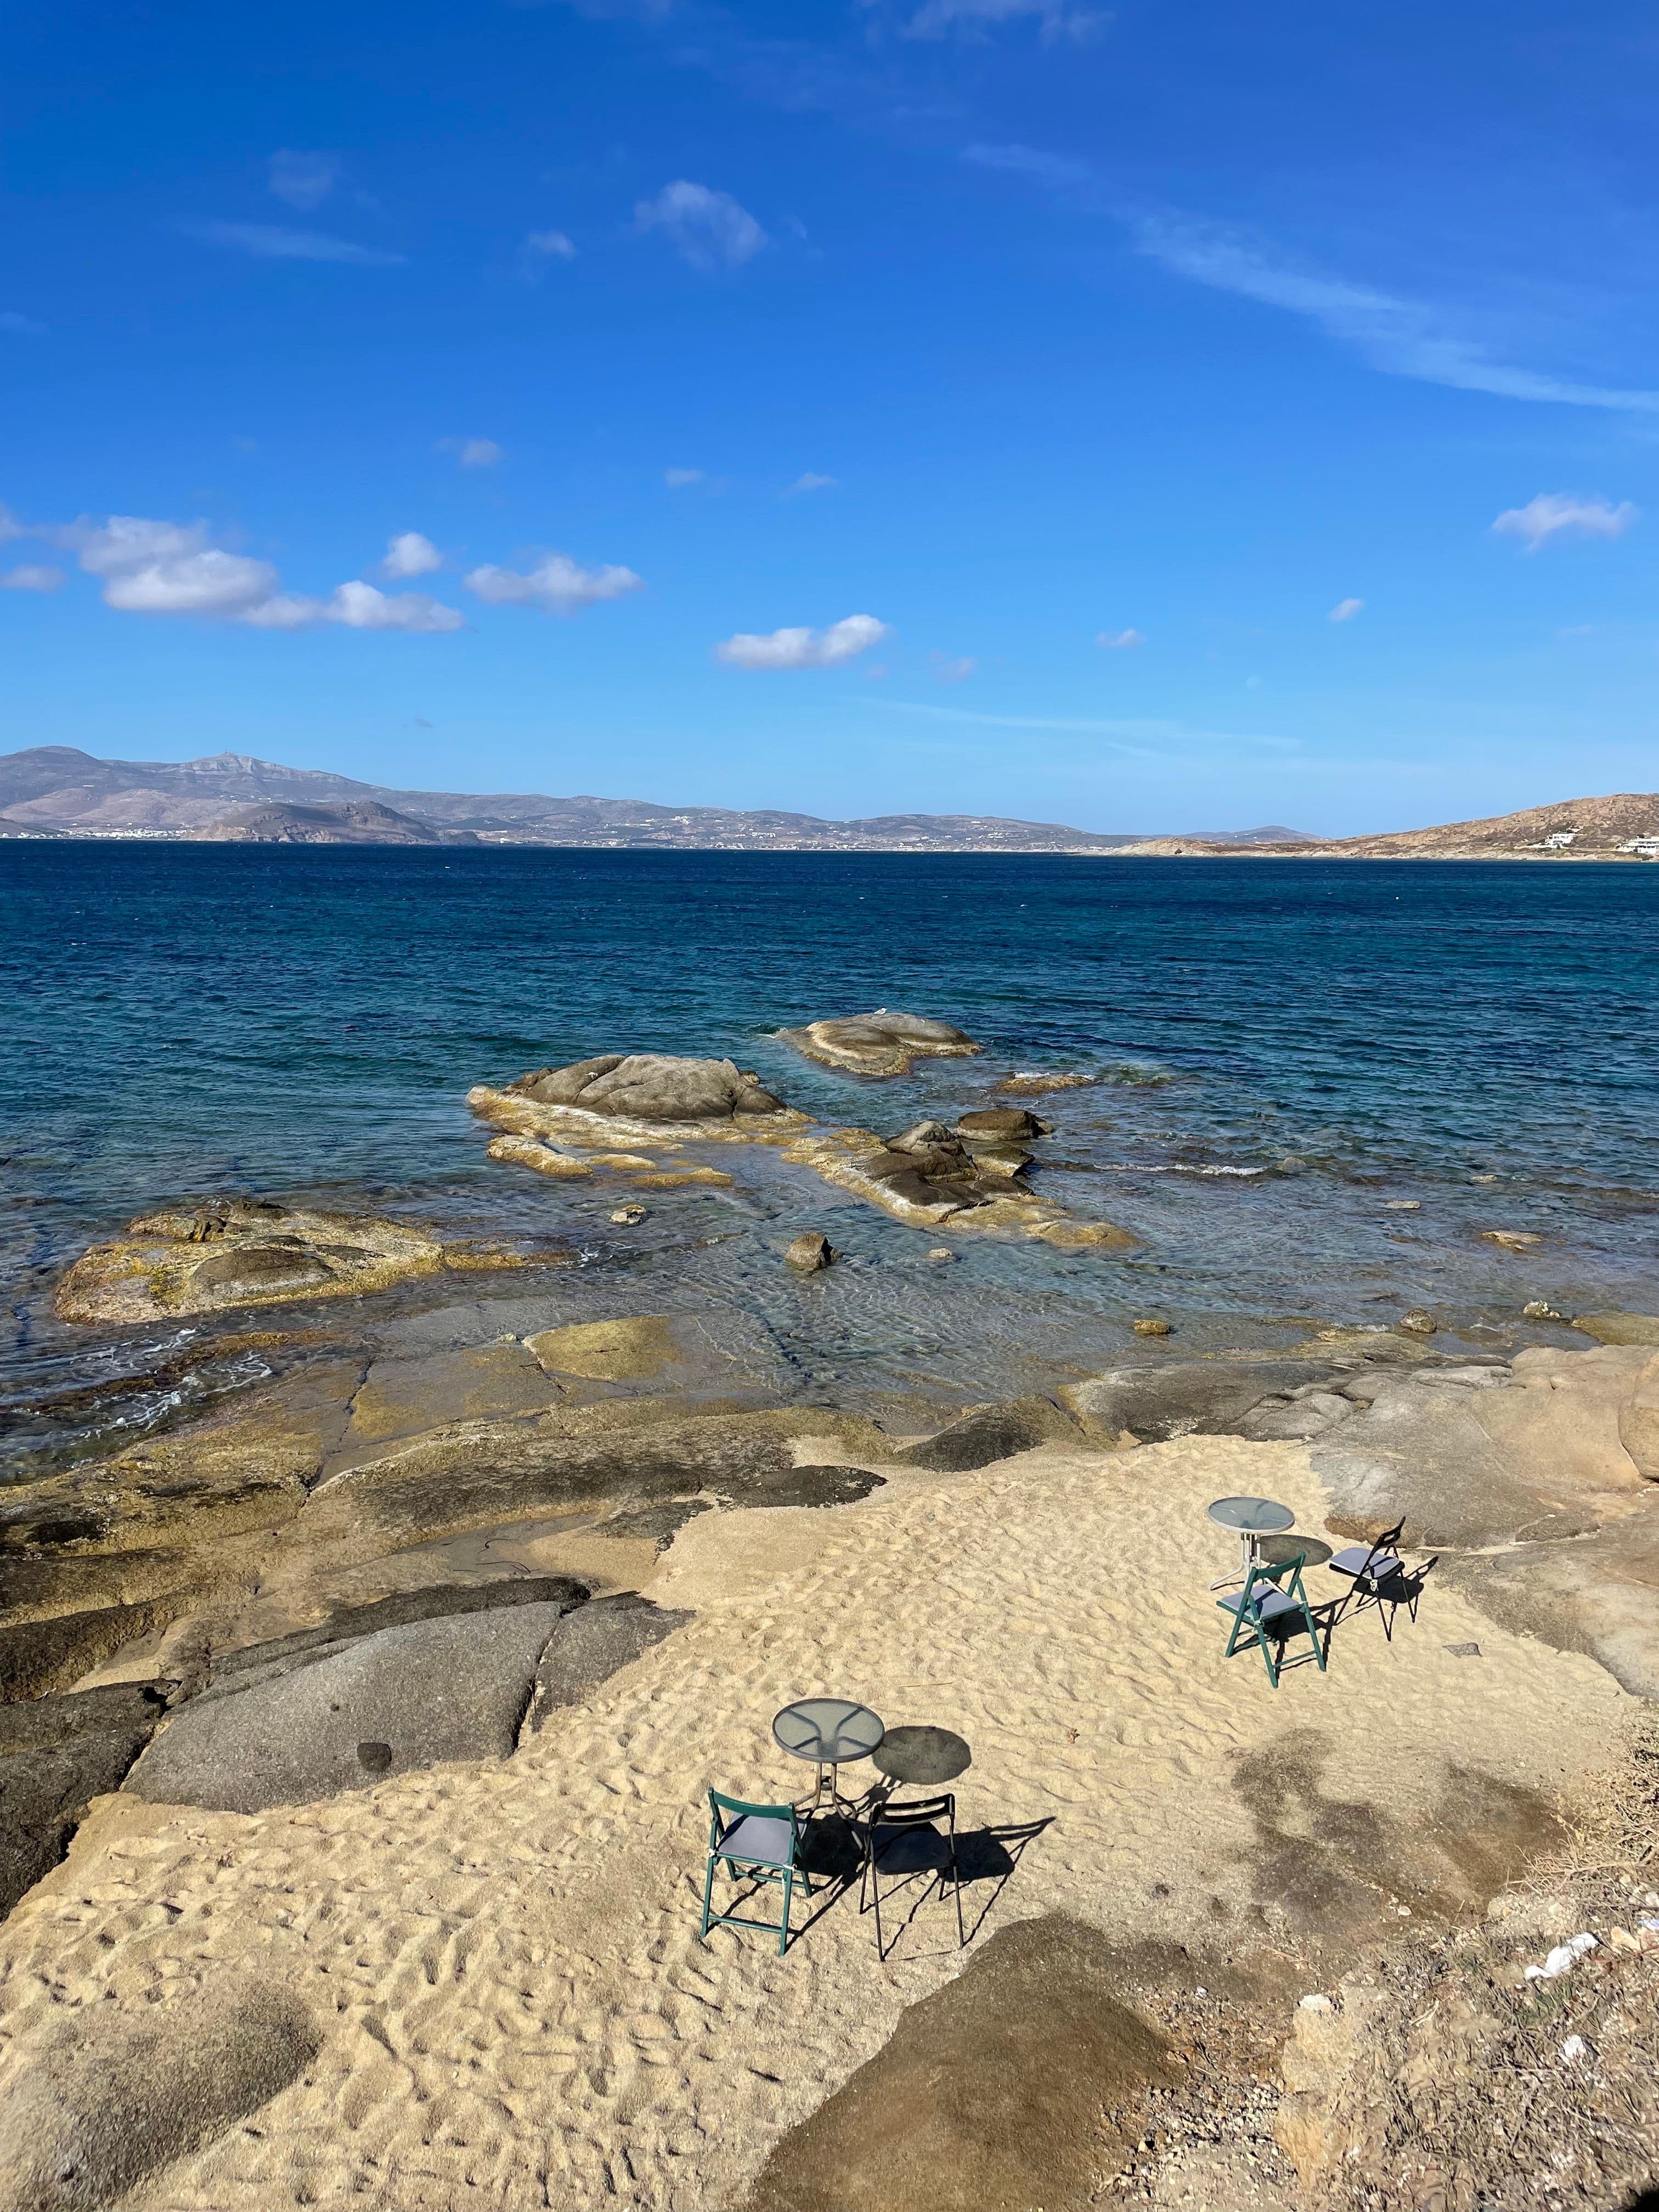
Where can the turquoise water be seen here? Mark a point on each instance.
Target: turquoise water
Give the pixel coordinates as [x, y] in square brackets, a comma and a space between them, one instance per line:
[1284, 1046]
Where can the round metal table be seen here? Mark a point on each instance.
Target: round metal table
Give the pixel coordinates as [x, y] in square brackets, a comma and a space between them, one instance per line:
[923, 1757]
[828, 1732]
[1252, 1518]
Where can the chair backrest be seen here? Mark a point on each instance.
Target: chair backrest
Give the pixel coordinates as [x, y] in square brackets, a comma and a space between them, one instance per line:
[1284, 1574]
[1383, 1548]
[725, 1813]
[915, 1812]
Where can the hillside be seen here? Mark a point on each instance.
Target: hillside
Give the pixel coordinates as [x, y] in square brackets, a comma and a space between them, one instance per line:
[56, 789]
[1598, 828]
[359, 822]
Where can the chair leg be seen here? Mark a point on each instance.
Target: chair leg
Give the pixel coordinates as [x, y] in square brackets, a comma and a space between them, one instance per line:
[1263, 1639]
[707, 1896]
[956, 1884]
[783, 1930]
[875, 1892]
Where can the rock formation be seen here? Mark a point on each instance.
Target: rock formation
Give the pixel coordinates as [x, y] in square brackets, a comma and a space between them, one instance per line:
[223, 1252]
[630, 1098]
[928, 1175]
[882, 1043]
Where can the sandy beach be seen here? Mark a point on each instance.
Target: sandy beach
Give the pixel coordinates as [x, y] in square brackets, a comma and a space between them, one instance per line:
[502, 1957]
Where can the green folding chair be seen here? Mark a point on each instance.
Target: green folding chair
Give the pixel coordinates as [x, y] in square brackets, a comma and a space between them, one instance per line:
[753, 1843]
[1272, 1606]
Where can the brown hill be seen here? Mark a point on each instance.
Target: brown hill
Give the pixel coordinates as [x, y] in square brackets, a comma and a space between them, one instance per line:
[1598, 828]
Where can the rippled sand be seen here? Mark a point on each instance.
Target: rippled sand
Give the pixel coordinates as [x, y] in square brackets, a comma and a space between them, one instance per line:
[518, 2010]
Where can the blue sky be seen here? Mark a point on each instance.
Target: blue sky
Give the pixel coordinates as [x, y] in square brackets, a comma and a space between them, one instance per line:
[1143, 418]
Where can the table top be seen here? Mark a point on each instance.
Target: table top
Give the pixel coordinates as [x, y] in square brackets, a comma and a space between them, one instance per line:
[830, 1731]
[923, 1757]
[1253, 1517]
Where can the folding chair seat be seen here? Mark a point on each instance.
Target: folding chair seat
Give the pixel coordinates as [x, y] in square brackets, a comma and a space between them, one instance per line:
[903, 1838]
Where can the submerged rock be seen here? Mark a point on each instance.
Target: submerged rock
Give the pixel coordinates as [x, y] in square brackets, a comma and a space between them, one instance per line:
[228, 1252]
[926, 1177]
[809, 1252]
[106, 2096]
[1617, 1328]
[881, 1043]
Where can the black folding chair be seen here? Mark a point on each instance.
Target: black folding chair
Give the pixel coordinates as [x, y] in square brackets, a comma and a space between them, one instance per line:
[1377, 1573]
[901, 1840]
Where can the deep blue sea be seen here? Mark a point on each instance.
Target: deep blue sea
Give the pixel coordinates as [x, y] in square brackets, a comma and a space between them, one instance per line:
[1284, 1046]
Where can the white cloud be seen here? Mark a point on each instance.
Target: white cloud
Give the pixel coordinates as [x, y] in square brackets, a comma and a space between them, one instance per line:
[357, 605]
[974, 17]
[1345, 610]
[804, 648]
[680, 479]
[809, 482]
[154, 567]
[31, 579]
[471, 452]
[1400, 337]
[541, 246]
[556, 583]
[409, 554]
[709, 228]
[304, 180]
[954, 671]
[1055, 170]
[1554, 513]
[270, 242]
[21, 327]
[1119, 640]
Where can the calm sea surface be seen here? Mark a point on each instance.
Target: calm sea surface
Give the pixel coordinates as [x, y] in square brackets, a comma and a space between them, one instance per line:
[1283, 1047]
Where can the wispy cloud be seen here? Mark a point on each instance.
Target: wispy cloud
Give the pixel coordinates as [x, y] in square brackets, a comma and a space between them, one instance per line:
[1402, 338]
[150, 567]
[804, 648]
[471, 452]
[1345, 610]
[682, 479]
[1055, 18]
[304, 180]
[947, 671]
[1119, 640]
[808, 482]
[270, 242]
[1562, 513]
[708, 230]
[1056, 170]
[540, 250]
[557, 584]
[21, 326]
[409, 554]
[31, 579]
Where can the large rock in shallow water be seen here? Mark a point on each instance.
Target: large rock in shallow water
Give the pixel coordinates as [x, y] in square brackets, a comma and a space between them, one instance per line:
[882, 1043]
[107, 2097]
[650, 1086]
[346, 1714]
[224, 1252]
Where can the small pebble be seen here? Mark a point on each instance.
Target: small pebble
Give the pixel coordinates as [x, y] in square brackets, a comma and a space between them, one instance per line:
[1150, 1327]
[941, 1252]
[629, 1217]
[1402, 1205]
[1540, 1309]
[810, 1251]
[1419, 1323]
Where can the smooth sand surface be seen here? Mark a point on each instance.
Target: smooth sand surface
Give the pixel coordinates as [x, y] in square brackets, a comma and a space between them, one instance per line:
[504, 1958]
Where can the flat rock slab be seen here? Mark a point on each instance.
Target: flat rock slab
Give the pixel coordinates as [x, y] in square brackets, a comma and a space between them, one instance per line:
[449, 1689]
[987, 2097]
[109, 2097]
[1189, 1397]
[56, 1755]
[592, 1644]
[988, 1434]
[881, 1043]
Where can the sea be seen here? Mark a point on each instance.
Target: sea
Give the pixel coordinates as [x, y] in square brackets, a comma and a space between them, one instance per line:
[1315, 1086]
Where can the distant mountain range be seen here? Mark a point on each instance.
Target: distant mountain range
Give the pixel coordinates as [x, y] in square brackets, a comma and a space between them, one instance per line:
[55, 791]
